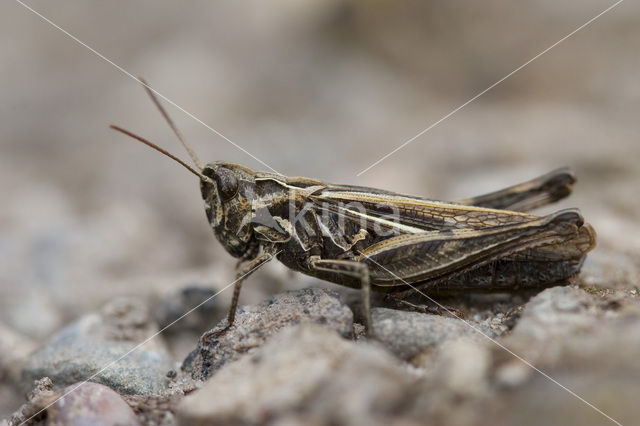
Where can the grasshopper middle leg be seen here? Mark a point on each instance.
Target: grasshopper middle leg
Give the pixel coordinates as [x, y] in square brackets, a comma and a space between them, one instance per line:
[355, 269]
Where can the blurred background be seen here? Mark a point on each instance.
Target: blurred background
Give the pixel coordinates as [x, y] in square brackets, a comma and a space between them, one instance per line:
[321, 89]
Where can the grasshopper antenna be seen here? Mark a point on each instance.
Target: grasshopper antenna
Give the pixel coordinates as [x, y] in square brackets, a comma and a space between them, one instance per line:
[177, 132]
[163, 151]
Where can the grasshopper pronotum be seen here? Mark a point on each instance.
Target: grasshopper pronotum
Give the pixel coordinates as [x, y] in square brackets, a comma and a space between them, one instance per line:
[378, 240]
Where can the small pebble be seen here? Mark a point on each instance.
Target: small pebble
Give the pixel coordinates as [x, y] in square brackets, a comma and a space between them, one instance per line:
[88, 403]
[101, 344]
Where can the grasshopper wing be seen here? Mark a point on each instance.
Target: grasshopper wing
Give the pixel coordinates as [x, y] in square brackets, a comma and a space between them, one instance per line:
[407, 214]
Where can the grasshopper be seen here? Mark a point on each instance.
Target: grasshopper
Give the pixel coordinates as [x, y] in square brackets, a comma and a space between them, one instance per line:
[372, 239]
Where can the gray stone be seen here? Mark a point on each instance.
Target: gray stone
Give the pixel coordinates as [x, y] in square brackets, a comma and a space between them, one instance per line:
[89, 403]
[100, 347]
[551, 319]
[558, 311]
[305, 375]
[412, 334]
[599, 366]
[254, 325]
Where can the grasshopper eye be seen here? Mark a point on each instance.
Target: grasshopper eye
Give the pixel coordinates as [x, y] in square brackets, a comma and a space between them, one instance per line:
[227, 183]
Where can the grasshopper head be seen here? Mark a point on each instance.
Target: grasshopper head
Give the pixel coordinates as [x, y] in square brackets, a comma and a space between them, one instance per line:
[227, 190]
[228, 195]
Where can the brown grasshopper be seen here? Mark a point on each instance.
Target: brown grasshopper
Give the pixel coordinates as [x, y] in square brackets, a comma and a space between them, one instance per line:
[371, 239]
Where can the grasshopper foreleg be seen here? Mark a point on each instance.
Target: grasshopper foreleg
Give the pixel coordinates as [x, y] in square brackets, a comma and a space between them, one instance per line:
[243, 270]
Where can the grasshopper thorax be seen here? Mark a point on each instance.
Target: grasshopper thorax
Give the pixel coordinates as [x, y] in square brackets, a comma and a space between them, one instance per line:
[228, 195]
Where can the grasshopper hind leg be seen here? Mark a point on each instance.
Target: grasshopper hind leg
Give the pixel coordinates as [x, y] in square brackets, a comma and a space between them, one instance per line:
[538, 192]
[432, 258]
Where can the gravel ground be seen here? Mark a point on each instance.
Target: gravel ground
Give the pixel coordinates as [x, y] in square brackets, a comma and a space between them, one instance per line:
[92, 222]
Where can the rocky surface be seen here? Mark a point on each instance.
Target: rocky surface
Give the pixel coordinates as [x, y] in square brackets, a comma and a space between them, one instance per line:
[41, 396]
[155, 410]
[254, 325]
[100, 347]
[321, 89]
[412, 334]
[303, 375]
[555, 316]
[295, 358]
[582, 341]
